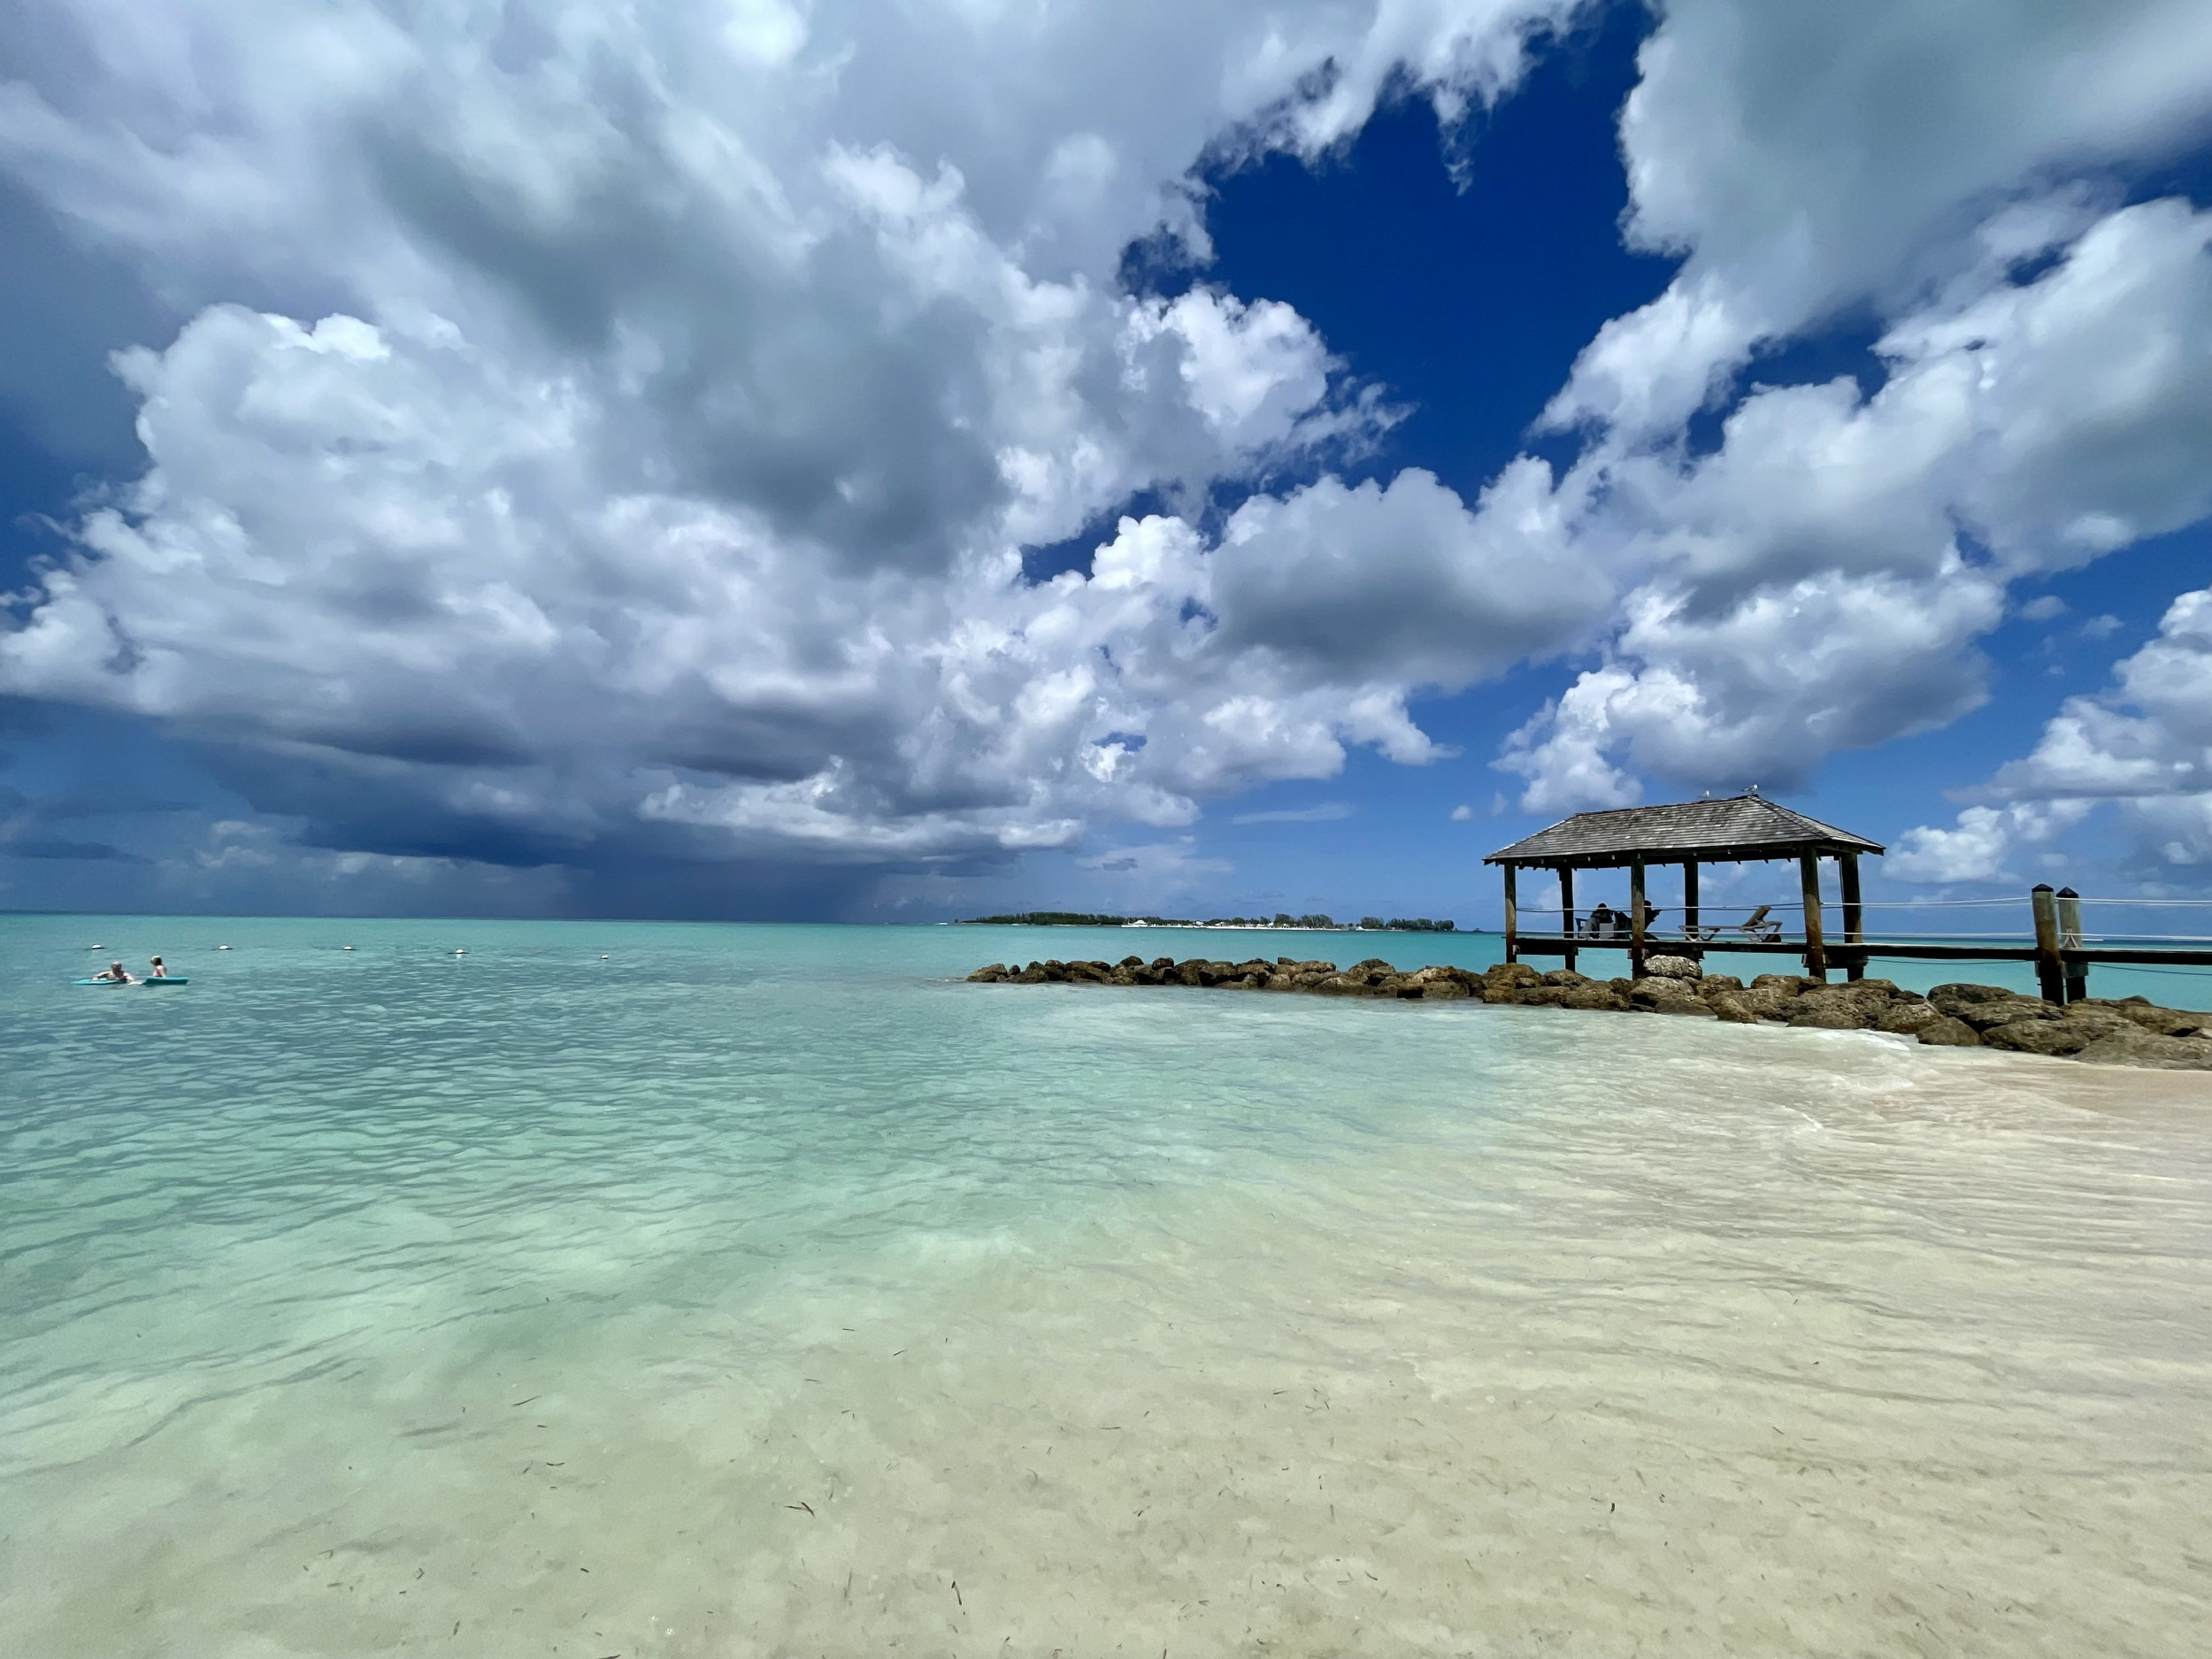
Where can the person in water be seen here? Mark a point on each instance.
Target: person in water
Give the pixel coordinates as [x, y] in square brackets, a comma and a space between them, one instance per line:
[161, 970]
[118, 973]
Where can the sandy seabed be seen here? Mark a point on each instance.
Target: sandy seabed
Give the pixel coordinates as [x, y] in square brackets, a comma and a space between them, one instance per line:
[1762, 1343]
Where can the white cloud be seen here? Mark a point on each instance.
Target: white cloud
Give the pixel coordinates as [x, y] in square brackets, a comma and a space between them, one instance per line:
[1807, 157]
[1975, 848]
[686, 384]
[1818, 581]
[1809, 587]
[592, 430]
[2150, 734]
[2144, 745]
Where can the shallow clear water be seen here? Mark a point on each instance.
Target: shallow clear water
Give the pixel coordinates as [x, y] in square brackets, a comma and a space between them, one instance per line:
[766, 1290]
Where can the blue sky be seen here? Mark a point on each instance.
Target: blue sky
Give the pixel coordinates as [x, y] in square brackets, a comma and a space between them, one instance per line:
[869, 462]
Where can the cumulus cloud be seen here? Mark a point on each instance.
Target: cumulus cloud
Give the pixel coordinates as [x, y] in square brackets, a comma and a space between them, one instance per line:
[2142, 747]
[1977, 845]
[1806, 158]
[1817, 580]
[577, 433]
[633, 420]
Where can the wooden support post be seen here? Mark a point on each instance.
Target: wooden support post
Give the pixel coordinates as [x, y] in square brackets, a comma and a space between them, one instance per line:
[1637, 919]
[2050, 975]
[1567, 909]
[2070, 939]
[1689, 900]
[1512, 915]
[1815, 952]
[1853, 916]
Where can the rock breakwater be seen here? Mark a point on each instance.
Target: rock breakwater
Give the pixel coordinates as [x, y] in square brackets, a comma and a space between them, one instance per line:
[2128, 1031]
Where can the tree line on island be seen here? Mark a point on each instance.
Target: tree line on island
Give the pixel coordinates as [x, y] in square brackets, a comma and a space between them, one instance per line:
[1282, 919]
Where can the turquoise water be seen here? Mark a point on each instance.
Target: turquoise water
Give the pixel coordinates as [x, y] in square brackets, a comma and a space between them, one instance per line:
[706, 1290]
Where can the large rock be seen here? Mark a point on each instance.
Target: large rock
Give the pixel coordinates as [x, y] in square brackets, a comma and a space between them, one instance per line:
[1908, 1017]
[2039, 1036]
[1854, 1006]
[1943, 1031]
[1566, 976]
[1338, 984]
[1770, 993]
[991, 975]
[1833, 1010]
[1734, 1007]
[1667, 996]
[2098, 1022]
[2138, 1047]
[1672, 968]
[2165, 1022]
[1506, 975]
[1538, 996]
[1985, 1006]
[1591, 995]
[1439, 984]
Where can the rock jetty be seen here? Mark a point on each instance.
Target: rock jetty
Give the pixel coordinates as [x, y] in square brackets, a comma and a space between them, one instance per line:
[2128, 1031]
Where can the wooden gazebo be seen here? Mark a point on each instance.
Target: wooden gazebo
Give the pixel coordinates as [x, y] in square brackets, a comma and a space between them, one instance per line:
[1737, 829]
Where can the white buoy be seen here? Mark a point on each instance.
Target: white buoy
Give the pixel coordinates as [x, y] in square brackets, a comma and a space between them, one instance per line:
[603, 958]
[460, 953]
[346, 947]
[222, 946]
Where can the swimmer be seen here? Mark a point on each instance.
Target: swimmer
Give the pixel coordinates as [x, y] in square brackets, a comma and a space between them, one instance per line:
[116, 974]
[161, 970]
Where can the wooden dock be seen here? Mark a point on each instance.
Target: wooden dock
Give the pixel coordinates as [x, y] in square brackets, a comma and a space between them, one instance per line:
[1749, 828]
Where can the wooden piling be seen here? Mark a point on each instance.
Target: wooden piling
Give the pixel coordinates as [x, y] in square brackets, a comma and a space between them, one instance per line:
[2050, 973]
[2070, 939]
[1567, 911]
[1638, 917]
[1512, 916]
[1689, 899]
[1854, 913]
[1815, 952]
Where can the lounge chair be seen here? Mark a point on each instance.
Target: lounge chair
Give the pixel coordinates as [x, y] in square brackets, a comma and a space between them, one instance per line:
[1754, 926]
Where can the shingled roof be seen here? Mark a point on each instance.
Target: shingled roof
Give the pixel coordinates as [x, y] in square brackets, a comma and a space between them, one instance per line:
[1727, 831]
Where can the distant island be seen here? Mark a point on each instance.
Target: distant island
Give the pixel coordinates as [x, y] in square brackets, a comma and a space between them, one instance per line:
[1281, 919]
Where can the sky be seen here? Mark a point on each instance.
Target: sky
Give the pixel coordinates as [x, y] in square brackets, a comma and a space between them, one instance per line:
[862, 461]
